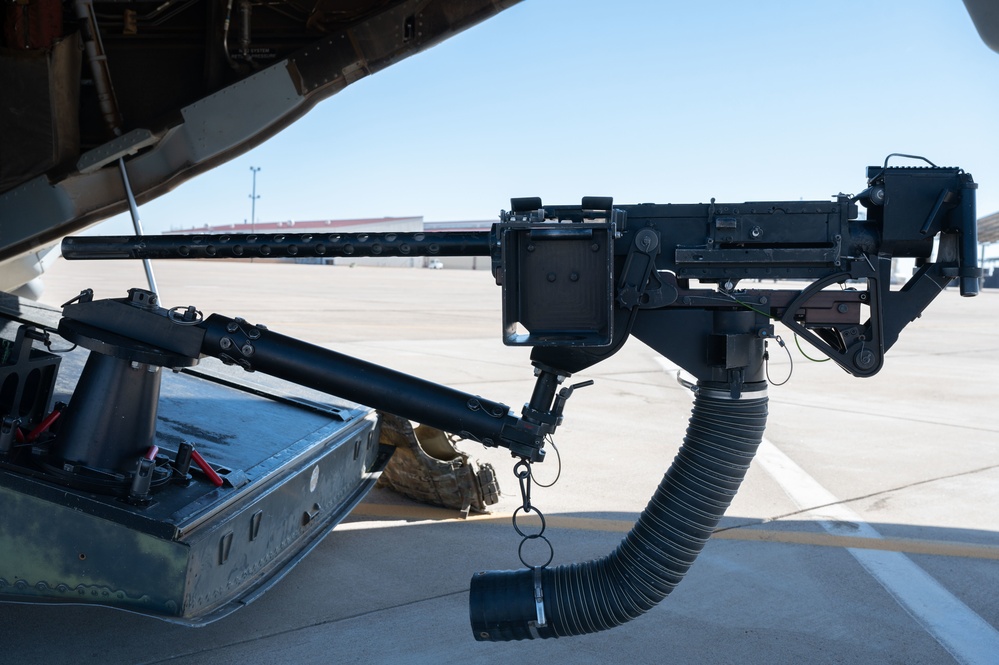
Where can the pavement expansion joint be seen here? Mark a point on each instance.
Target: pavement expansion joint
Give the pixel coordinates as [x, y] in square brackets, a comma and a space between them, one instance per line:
[872, 495]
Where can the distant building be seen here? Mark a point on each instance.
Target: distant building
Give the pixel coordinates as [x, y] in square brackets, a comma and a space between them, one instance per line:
[462, 262]
[459, 226]
[374, 225]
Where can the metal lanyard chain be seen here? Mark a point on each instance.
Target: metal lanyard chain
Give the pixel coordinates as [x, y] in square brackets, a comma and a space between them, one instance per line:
[522, 470]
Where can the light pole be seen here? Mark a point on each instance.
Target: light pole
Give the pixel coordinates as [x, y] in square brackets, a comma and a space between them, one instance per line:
[253, 201]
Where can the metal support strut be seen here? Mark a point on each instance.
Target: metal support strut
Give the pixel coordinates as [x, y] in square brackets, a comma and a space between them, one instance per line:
[109, 108]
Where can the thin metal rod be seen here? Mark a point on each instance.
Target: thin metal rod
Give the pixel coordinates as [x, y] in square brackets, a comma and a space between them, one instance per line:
[98, 61]
[136, 224]
[253, 200]
[94, 48]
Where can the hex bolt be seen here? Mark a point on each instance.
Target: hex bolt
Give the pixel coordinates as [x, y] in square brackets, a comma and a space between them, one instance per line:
[574, 277]
[551, 277]
[247, 350]
[225, 343]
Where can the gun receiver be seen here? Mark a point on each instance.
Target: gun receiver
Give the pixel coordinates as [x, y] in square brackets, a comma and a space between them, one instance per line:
[661, 248]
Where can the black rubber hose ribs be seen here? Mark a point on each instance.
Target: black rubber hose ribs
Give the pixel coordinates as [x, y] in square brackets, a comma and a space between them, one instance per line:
[721, 440]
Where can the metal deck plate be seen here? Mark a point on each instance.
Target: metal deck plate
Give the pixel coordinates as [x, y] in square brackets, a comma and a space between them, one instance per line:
[292, 469]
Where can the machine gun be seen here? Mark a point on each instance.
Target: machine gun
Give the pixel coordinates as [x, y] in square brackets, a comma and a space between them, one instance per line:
[577, 281]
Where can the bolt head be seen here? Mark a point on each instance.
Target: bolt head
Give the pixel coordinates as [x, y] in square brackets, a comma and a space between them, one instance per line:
[864, 359]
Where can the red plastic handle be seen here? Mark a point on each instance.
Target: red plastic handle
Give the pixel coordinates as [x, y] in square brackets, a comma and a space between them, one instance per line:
[207, 468]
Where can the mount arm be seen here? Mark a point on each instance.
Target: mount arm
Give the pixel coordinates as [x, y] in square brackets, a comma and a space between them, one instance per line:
[183, 336]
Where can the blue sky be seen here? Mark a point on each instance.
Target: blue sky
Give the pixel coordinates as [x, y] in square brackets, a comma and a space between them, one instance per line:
[639, 100]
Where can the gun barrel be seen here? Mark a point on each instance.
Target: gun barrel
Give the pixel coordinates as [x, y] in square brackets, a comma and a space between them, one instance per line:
[278, 245]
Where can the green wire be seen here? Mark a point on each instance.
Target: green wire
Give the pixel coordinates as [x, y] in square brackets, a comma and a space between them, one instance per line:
[747, 305]
[797, 343]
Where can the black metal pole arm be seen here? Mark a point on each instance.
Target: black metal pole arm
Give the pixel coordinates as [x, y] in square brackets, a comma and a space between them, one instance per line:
[255, 348]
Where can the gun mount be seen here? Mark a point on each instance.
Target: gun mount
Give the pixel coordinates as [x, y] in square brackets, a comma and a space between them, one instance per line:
[577, 281]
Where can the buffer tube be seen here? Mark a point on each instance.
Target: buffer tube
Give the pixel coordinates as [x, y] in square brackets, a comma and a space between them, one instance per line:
[721, 440]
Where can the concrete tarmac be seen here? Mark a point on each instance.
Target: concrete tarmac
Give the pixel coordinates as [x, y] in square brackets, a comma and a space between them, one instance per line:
[867, 530]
